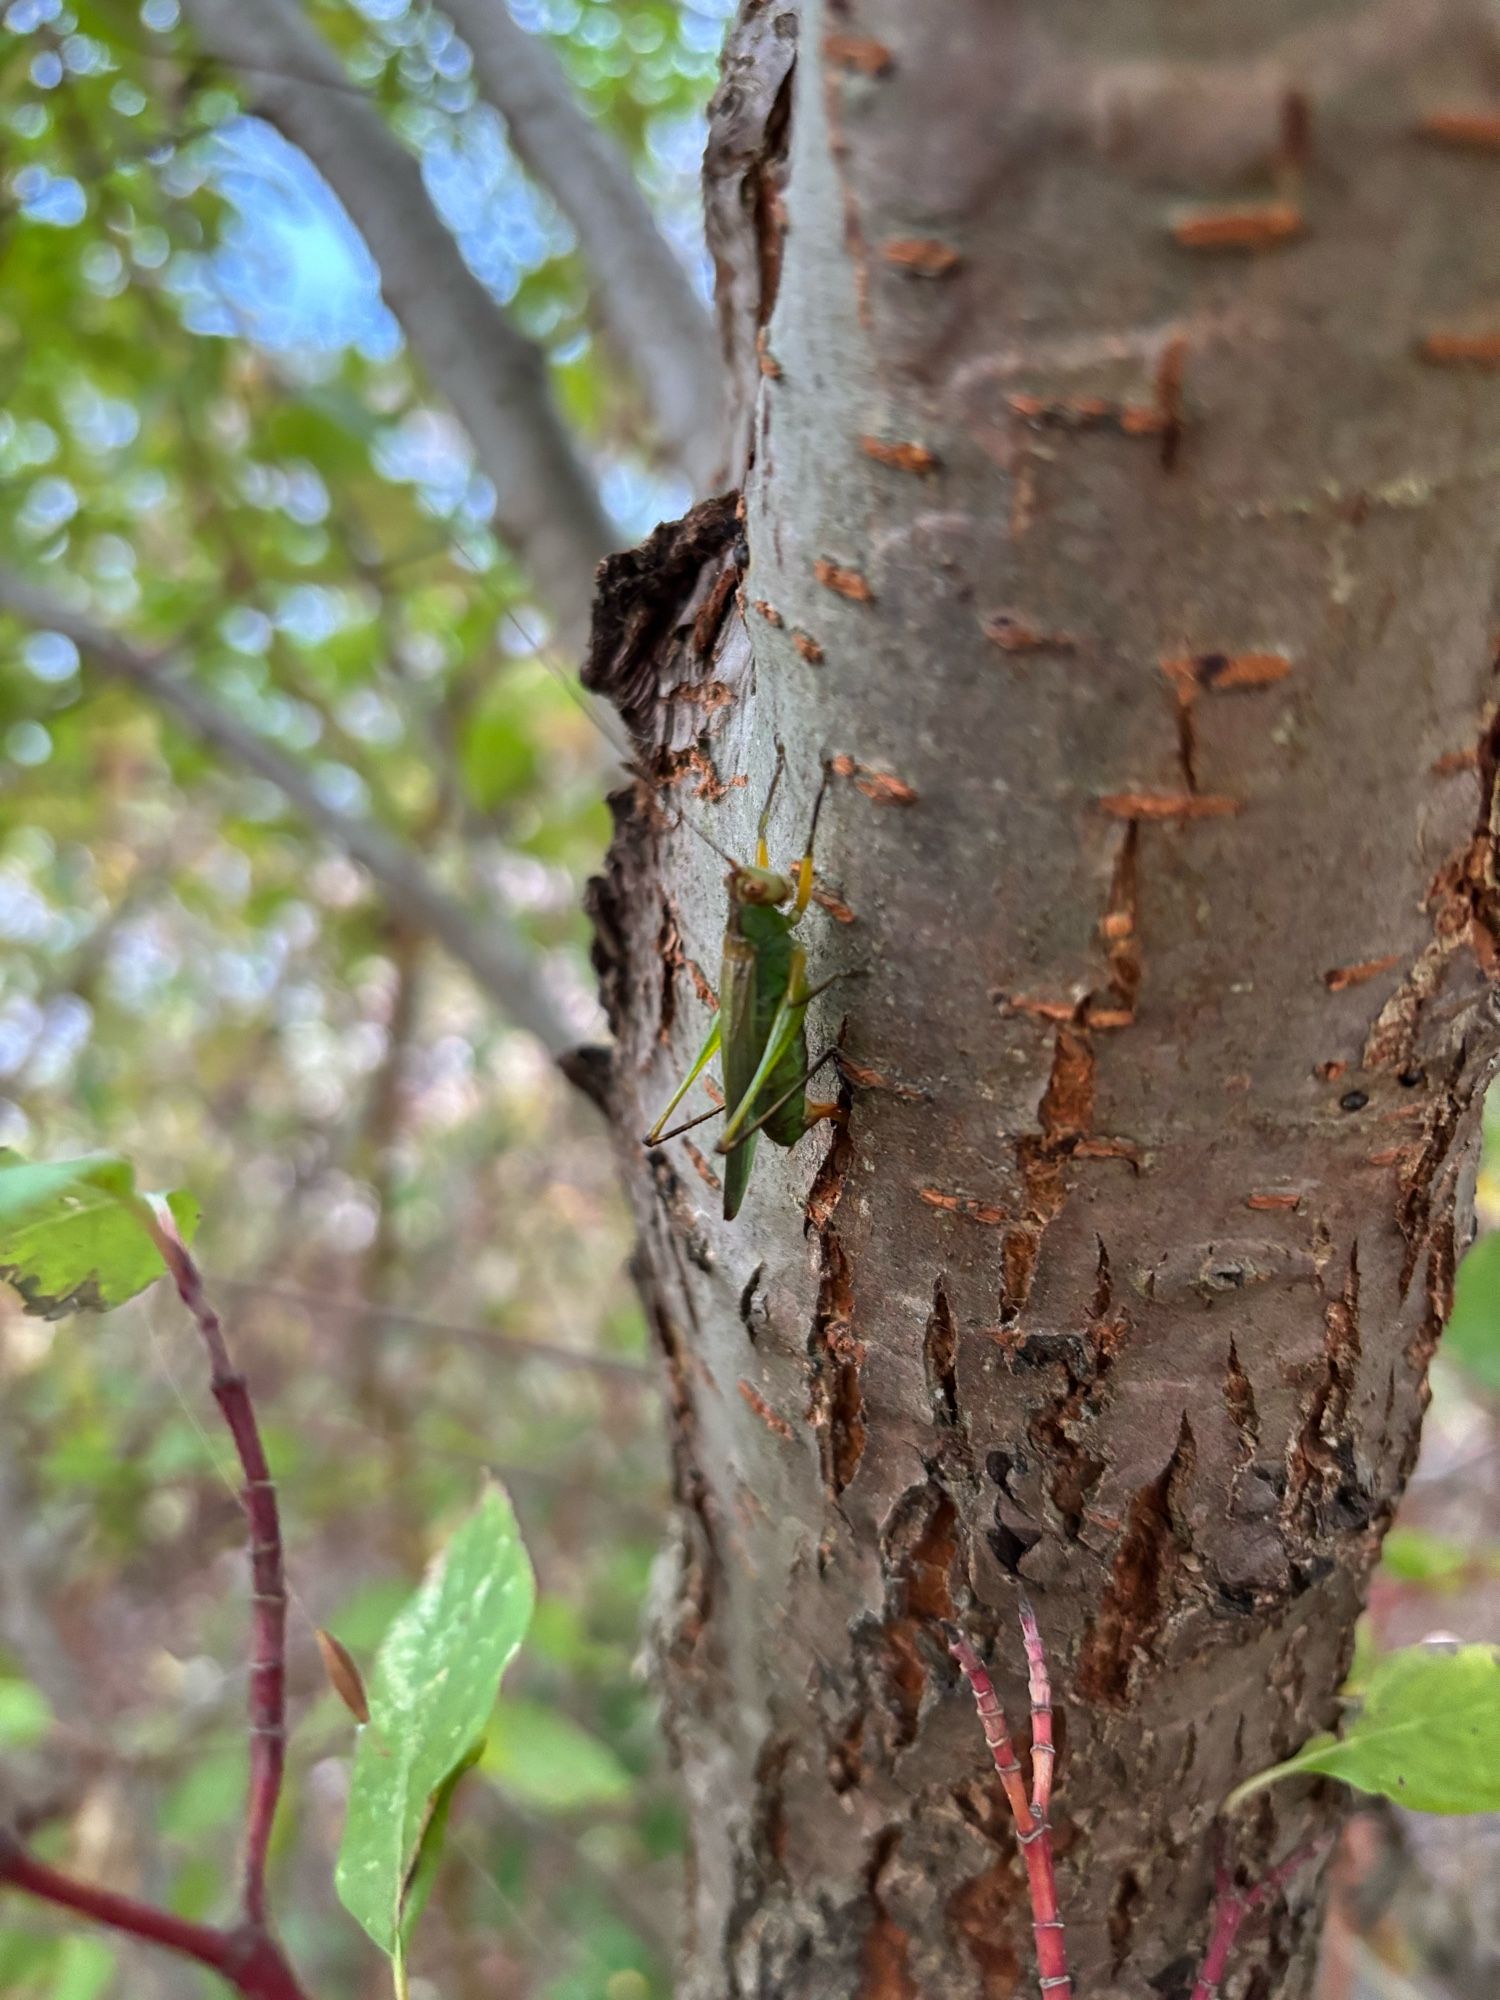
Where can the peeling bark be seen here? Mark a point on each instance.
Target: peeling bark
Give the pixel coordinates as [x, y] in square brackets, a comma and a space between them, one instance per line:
[1158, 679]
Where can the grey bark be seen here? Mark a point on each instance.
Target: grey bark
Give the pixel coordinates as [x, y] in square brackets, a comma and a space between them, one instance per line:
[1167, 831]
[645, 298]
[546, 506]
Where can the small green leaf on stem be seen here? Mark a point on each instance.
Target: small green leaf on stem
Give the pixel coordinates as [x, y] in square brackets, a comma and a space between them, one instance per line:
[73, 1236]
[1426, 1734]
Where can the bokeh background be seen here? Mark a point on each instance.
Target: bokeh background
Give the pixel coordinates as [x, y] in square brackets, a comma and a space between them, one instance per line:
[209, 418]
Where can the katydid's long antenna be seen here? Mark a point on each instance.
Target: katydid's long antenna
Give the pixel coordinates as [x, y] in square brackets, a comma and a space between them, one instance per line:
[762, 825]
[537, 649]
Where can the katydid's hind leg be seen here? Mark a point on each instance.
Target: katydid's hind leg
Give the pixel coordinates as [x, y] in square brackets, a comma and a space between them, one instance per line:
[705, 1056]
[655, 1138]
[814, 1112]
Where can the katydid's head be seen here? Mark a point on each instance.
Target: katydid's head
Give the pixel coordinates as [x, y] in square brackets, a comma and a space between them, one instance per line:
[763, 887]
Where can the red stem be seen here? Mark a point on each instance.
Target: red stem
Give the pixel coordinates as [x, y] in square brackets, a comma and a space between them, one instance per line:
[268, 1583]
[1233, 1905]
[1043, 1751]
[246, 1956]
[247, 1959]
[1032, 1829]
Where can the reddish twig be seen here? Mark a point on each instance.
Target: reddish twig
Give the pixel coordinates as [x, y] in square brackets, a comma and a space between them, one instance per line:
[1232, 1905]
[267, 1581]
[247, 1957]
[1039, 1686]
[1033, 1832]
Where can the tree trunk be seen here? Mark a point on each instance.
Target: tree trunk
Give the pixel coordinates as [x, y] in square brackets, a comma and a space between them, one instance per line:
[1166, 735]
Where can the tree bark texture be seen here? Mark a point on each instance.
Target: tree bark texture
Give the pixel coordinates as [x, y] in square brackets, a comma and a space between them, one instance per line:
[1144, 593]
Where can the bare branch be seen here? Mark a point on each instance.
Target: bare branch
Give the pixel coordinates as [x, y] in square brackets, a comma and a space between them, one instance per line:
[645, 298]
[547, 508]
[493, 953]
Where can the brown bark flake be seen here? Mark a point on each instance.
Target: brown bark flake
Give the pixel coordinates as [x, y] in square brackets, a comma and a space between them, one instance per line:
[1342, 976]
[1468, 131]
[1251, 226]
[842, 580]
[983, 1911]
[836, 907]
[773, 1421]
[835, 1406]
[885, 1973]
[903, 455]
[1220, 673]
[884, 787]
[967, 1205]
[1449, 347]
[1014, 634]
[1134, 1605]
[1169, 805]
[922, 256]
[857, 52]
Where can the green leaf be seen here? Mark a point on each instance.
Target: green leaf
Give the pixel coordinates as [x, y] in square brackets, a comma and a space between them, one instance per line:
[25, 1714]
[1415, 1556]
[71, 1234]
[434, 1833]
[543, 1759]
[1426, 1734]
[497, 759]
[85, 1966]
[434, 1683]
[1472, 1337]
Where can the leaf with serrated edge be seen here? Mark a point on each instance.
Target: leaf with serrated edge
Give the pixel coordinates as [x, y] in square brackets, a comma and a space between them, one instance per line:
[71, 1234]
[434, 1683]
[1426, 1734]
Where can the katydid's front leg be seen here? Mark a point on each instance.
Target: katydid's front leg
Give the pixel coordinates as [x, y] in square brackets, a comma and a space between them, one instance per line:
[704, 1057]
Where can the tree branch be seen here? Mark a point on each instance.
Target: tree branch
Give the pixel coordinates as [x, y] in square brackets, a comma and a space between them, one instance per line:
[547, 508]
[248, 1959]
[645, 298]
[493, 953]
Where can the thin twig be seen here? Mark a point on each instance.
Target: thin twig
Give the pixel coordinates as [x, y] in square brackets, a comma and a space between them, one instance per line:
[492, 1341]
[1232, 1905]
[501, 962]
[547, 505]
[1033, 1832]
[268, 1581]
[1043, 1750]
[247, 1958]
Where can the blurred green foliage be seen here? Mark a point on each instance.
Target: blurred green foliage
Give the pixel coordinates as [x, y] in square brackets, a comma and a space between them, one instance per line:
[210, 432]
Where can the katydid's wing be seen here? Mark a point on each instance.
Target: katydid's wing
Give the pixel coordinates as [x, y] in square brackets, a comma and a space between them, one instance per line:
[785, 1030]
[737, 1175]
[740, 1043]
[739, 1034]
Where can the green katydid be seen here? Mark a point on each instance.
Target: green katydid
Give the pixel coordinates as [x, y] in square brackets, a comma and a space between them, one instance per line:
[761, 1026]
